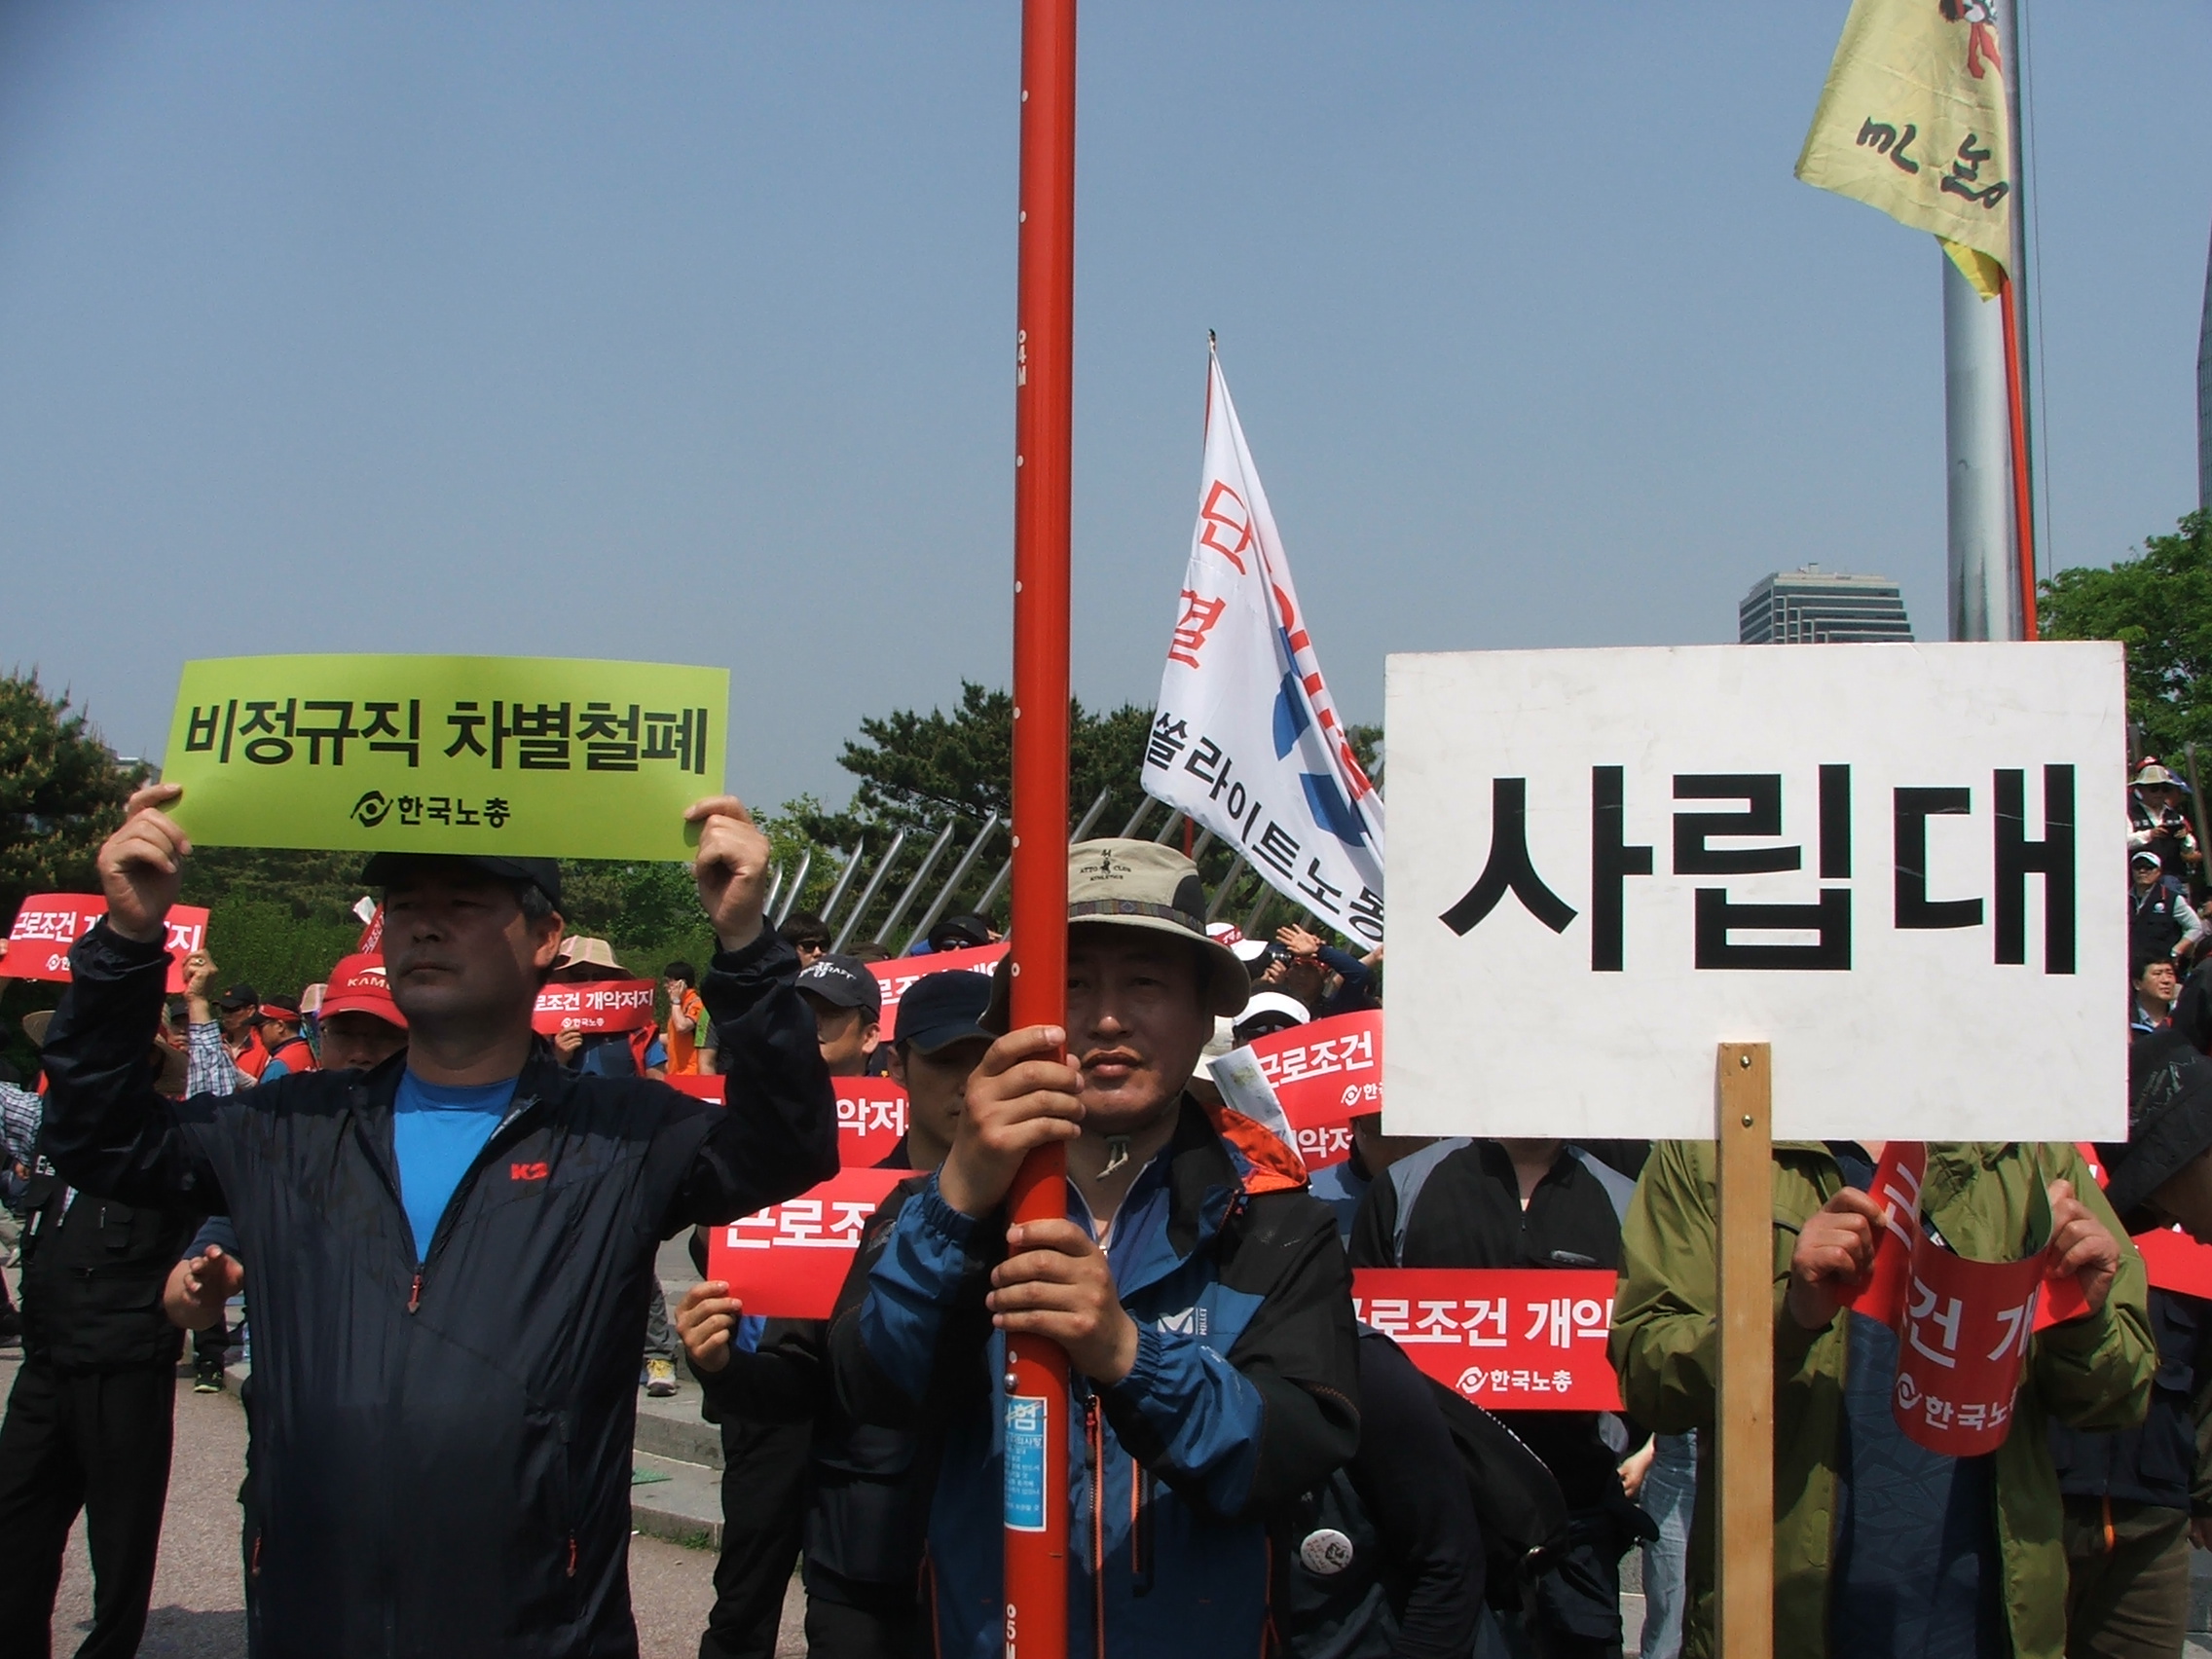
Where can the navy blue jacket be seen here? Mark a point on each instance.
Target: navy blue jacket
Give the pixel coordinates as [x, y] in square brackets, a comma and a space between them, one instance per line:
[441, 1443]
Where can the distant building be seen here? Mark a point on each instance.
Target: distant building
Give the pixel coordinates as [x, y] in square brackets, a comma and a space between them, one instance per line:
[1813, 606]
[2204, 396]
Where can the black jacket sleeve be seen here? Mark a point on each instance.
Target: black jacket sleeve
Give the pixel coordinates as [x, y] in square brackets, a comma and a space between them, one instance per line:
[106, 1130]
[776, 1134]
[1415, 1488]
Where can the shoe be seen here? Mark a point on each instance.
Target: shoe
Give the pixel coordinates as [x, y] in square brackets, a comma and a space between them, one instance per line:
[661, 1378]
[207, 1379]
[11, 1328]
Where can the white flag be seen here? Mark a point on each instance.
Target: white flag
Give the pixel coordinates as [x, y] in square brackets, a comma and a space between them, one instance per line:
[1246, 739]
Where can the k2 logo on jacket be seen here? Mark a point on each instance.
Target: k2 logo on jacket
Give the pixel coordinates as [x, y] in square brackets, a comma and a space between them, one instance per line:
[527, 1171]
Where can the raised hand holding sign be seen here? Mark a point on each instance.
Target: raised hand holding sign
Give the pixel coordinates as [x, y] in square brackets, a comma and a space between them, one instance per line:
[143, 863]
[731, 869]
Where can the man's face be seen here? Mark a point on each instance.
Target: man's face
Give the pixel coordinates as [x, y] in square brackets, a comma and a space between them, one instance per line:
[354, 1041]
[847, 1035]
[2158, 796]
[275, 1033]
[458, 949]
[1136, 1025]
[810, 951]
[936, 1085]
[2146, 876]
[2157, 982]
[2187, 1198]
[676, 990]
[235, 1021]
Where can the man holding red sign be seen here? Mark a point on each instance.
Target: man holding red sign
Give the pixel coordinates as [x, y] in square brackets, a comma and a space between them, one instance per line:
[449, 1257]
[865, 1504]
[1882, 1544]
[1544, 1205]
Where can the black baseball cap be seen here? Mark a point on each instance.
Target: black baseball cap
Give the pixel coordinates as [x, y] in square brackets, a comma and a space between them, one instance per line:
[942, 1009]
[544, 874]
[845, 981]
[240, 996]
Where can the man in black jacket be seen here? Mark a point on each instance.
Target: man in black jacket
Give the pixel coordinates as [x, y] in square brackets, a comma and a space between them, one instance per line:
[89, 1420]
[1528, 1203]
[449, 1257]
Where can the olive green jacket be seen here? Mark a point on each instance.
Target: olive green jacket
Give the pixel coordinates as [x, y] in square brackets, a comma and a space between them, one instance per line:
[1988, 1201]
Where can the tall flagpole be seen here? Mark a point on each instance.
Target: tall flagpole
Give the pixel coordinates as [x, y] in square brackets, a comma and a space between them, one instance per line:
[1989, 481]
[1984, 594]
[2015, 300]
[1036, 1382]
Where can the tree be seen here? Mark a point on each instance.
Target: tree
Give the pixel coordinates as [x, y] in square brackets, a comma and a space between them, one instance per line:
[62, 793]
[2159, 604]
[916, 769]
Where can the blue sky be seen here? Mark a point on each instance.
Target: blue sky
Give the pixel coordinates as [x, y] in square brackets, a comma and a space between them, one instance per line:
[683, 331]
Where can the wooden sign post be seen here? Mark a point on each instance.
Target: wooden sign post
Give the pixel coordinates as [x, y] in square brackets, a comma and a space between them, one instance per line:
[1744, 1414]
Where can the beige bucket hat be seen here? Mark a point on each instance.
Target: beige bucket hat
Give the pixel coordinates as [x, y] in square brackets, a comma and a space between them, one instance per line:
[1142, 884]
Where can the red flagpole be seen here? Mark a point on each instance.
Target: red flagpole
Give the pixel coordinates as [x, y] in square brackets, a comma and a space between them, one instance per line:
[2023, 487]
[1036, 1383]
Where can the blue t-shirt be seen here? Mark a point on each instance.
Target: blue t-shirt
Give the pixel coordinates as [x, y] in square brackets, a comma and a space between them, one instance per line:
[436, 1133]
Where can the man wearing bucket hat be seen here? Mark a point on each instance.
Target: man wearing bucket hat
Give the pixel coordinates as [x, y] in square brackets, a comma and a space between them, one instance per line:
[1199, 1293]
[448, 1256]
[2155, 820]
[89, 1424]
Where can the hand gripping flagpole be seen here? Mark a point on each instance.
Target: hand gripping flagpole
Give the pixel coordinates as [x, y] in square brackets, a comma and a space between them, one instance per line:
[1035, 1386]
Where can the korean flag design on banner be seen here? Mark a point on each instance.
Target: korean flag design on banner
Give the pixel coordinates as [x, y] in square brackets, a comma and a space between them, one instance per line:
[1246, 739]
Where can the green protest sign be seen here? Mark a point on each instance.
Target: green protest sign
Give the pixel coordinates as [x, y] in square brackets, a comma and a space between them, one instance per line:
[527, 757]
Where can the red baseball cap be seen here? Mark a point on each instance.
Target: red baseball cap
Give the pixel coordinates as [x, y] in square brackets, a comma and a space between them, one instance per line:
[357, 985]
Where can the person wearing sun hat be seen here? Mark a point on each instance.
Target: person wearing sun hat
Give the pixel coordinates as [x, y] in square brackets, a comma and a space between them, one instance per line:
[1199, 1292]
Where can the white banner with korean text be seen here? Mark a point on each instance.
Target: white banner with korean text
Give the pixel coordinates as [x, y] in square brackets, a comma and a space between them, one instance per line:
[1902, 864]
[1246, 738]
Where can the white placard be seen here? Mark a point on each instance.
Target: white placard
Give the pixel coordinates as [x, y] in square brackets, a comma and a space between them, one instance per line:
[1847, 851]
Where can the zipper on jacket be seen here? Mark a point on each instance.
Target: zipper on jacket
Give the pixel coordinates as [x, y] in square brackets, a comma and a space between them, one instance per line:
[466, 1184]
[571, 1555]
[1140, 1529]
[1095, 1454]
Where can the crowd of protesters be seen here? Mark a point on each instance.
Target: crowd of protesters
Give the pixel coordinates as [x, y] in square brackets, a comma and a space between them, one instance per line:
[443, 1226]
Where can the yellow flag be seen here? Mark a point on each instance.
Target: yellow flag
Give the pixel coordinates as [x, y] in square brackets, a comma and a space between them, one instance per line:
[1914, 121]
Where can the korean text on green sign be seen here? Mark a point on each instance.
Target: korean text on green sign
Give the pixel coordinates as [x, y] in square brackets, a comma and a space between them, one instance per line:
[526, 757]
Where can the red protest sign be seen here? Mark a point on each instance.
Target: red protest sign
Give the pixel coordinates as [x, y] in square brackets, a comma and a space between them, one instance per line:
[871, 1118]
[50, 923]
[787, 1261]
[1962, 1326]
[1509, 1339]
[594, 1006]
[871, 1114]
[1324, 1074]
[1960, 1347]
[901, 973]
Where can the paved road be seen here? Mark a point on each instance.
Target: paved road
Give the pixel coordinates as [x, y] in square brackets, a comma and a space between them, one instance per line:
[198, 1609]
